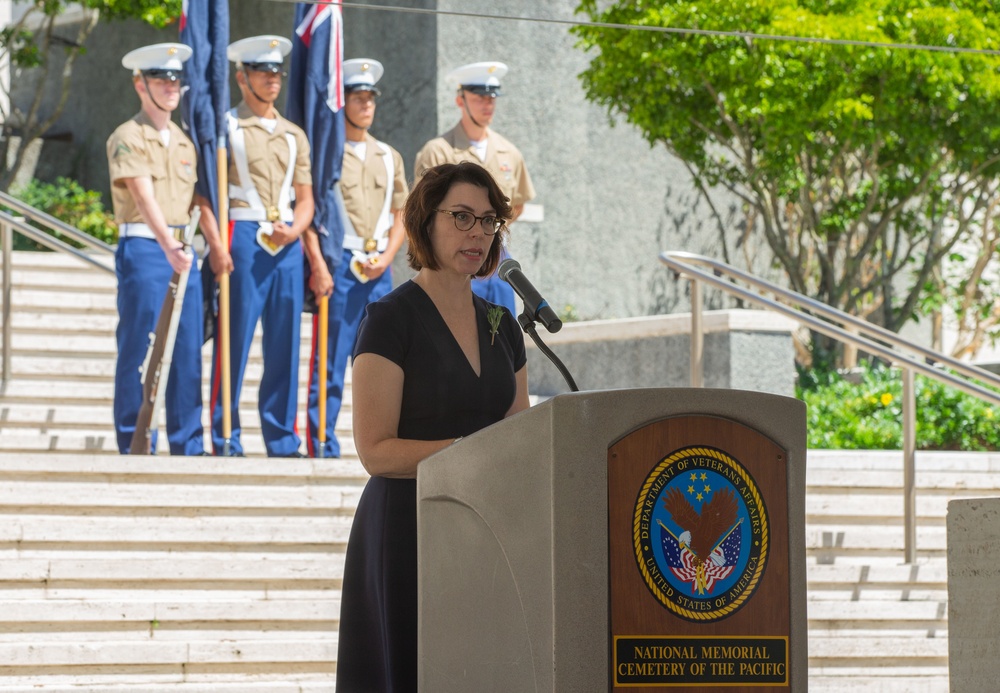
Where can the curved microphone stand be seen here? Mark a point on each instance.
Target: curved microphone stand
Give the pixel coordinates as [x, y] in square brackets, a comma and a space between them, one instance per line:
[527, 323]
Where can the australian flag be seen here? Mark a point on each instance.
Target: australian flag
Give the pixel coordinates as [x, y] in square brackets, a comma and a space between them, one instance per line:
[316, 104]
[205, 101]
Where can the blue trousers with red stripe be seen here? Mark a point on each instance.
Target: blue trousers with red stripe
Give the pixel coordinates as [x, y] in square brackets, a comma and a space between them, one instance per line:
[268, 288]
[143, 279]
[347, 308]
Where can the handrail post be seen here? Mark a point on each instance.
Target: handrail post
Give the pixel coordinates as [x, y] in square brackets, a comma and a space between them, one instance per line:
[697, 337]
[7, 242]
[850, 351]
[909, 467]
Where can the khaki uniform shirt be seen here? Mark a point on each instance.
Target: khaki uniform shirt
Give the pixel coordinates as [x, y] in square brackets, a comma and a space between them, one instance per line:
[267, 157]
[503, 160]
[135, 150]
[364, 185]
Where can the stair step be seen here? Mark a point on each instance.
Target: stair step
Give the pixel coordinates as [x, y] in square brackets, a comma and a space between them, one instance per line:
[215, 532]
[290, 683]
[300, 647]
[892, 651]
[113, 493]
[880, 576]
[104, 442]
[25, 322]
[81, 390]
[892, 460]
[929, 679]
[55, 417]
[183, 469]
[872, 618]
[136, 611]
[203, 571]
[47, 260]
[825, 537]
[834, 481]
[60, 279]
[32, 366]
[855, 504]
[61, 300]
[57, 391]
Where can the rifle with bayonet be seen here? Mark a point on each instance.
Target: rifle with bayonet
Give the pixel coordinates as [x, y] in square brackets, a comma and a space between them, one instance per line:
[155, 367]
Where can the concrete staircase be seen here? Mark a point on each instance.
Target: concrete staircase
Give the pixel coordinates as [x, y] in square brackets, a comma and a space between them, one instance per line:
[62, 386]
[205, 574]
[129, 574]
[876, 624]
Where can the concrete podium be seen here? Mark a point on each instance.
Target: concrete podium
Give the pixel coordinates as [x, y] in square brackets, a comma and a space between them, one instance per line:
[555, 547]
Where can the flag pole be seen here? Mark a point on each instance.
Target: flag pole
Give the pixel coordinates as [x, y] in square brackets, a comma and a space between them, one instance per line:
[324, 336]
[222, 168]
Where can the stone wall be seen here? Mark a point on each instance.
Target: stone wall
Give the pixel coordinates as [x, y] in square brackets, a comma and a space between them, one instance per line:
[743, 350]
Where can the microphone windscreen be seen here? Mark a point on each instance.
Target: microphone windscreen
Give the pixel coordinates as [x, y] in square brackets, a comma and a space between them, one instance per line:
[508, 266]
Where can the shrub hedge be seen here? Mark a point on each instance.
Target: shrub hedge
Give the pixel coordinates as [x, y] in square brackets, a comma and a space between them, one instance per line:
[864, 412]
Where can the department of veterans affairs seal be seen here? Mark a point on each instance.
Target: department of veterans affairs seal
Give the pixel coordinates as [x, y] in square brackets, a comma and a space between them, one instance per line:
[700, 534]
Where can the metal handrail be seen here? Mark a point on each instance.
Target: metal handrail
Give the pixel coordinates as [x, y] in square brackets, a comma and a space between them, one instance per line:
[50, 242]
[50, 222]
[819, 308]
[8, 225]
[889, 346]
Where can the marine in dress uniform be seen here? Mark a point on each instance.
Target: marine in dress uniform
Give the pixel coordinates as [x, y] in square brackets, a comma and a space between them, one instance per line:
[153, 168]
[268, 171]
[373, 186]
[473, 140]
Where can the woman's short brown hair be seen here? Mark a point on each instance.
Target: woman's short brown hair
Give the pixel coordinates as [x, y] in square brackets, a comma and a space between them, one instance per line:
[426, 197]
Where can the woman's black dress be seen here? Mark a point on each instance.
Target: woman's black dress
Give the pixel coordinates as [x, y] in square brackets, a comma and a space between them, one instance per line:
[442, 398]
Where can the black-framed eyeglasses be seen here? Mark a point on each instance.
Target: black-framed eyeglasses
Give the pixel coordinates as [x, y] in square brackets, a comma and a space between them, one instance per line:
[464, 221]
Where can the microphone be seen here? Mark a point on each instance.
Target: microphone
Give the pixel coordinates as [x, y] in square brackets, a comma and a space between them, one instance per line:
[535, 307]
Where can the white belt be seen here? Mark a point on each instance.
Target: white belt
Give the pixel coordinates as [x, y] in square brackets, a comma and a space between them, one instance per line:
[368, 246]
[248, 214]
[137, 229]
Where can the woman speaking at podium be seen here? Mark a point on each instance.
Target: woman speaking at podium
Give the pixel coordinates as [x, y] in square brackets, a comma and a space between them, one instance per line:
[432, 363]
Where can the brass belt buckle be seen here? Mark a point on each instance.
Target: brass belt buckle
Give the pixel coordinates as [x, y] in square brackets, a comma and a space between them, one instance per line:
[273, 214]
[370, 245]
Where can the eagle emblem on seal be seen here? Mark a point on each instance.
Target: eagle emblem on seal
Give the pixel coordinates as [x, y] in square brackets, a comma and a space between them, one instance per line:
[699, 554]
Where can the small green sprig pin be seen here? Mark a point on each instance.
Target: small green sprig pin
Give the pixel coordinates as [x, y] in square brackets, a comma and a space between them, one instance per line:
[494, 315]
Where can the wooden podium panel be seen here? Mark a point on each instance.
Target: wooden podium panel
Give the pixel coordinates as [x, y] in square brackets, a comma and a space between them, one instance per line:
[699, 586]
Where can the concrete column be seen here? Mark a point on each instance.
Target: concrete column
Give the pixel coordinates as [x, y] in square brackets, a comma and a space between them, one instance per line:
[973, 592]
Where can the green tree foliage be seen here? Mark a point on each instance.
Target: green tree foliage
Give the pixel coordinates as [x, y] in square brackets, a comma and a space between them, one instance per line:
[862, 166]
[38, 49]
[158, 13]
